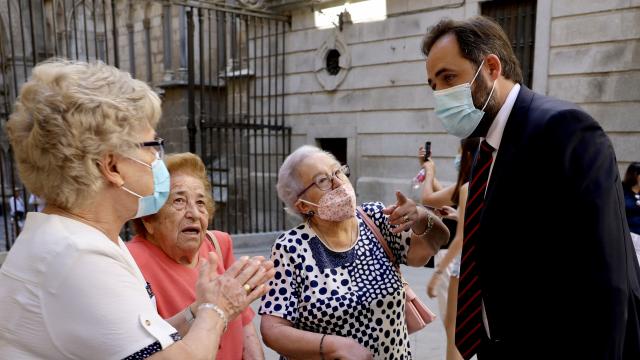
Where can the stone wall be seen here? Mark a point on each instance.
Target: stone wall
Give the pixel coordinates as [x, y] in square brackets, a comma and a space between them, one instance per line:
[383, 105]
[586, 52]
[594, 61]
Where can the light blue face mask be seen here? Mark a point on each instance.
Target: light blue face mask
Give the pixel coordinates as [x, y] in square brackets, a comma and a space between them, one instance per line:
[454, 107]
[151, 204]
[456, 162]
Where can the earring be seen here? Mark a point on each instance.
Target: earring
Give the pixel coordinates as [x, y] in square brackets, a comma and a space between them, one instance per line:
[310, 213]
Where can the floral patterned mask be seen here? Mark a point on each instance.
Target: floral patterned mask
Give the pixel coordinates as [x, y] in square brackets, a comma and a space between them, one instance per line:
[336, 205]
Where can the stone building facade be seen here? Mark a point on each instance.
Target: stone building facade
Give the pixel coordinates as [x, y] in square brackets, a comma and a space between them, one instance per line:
[370, 104]
[217, 65]
[587, 52]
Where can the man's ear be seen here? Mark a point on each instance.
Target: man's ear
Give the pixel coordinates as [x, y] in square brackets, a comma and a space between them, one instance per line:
[108, 167]
[492, 62]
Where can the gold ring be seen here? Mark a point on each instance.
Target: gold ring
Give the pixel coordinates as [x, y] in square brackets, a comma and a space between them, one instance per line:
[247, 288]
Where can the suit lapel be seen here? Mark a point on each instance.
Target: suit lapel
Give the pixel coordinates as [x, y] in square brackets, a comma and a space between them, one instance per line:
[512, 137]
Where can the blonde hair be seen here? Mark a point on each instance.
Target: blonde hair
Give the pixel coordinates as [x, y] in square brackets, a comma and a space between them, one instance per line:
[67, 116]
[184, 164]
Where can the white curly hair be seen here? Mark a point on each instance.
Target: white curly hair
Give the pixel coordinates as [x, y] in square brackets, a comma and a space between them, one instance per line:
[289, 185]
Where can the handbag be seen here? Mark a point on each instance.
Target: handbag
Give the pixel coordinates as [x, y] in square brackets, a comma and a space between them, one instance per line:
[416, 314]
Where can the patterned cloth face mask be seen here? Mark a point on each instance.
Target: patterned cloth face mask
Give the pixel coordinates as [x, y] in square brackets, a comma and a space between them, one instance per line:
[455, 109]
[336, 205]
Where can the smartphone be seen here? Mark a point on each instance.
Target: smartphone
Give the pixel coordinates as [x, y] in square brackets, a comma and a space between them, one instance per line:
[427, 149]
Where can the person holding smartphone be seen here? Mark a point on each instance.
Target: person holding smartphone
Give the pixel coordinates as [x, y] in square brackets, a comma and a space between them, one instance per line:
[443, 284]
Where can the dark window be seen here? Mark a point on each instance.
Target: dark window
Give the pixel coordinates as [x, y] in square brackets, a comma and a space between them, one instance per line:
[336, 146]
[333, 62]
[518, 19]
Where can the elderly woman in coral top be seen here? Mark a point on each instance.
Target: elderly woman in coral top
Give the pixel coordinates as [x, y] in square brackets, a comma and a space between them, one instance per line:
[170, 244]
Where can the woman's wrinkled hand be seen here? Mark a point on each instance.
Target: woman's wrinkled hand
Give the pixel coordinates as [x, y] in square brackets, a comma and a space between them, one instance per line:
[403, 214]
[234, 290]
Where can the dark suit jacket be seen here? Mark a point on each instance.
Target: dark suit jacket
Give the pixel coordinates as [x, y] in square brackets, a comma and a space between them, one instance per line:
[559, 275]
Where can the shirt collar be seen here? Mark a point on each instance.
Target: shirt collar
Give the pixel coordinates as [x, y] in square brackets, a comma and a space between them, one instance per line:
[494, 136]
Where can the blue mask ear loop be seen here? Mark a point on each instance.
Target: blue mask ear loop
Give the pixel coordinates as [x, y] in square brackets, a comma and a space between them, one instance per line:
[492, 87]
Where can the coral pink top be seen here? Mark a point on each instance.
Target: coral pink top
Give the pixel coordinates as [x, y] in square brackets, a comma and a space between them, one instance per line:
[174, 285]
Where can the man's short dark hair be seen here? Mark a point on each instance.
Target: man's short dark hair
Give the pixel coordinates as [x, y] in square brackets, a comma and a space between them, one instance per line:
[477, 37]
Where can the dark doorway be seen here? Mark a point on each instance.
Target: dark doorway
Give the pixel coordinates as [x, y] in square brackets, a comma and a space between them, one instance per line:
[336, 146]
[518, 19]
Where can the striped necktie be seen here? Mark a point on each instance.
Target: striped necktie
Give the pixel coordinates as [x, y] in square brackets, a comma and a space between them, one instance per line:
[469, 317]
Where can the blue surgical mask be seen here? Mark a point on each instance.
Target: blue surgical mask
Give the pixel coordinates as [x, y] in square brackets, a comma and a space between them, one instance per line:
[456, 162]
[454, 107]
[151, 204]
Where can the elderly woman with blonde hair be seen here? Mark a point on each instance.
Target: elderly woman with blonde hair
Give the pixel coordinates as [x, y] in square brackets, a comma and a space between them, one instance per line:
[84, 140]
[169, 246]
[336, 294]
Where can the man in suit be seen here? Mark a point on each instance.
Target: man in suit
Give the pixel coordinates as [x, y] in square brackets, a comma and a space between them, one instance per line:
[548, 268]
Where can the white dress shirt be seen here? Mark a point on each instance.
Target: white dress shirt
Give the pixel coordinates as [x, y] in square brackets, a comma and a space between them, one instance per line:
[494, 137]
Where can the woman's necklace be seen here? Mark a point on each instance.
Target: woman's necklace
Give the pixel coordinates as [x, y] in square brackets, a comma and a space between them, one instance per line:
[320, 235]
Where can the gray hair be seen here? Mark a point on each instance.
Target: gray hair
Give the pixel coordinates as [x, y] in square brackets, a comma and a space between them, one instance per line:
[289, 185]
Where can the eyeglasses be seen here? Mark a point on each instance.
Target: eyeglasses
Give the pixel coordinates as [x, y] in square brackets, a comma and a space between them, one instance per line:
[157, 145]
[180, 203]
[325, 182]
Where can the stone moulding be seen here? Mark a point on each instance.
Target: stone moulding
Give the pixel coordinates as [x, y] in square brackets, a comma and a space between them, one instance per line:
[252, 4]
[333, 41]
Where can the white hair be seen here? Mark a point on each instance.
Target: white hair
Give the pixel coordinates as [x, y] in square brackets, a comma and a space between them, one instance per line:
[289, 184]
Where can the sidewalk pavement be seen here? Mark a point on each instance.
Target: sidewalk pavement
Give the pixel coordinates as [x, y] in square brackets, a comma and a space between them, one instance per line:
[427, 344]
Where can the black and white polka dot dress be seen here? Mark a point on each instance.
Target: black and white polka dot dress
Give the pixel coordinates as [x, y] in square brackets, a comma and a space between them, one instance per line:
[355, 293]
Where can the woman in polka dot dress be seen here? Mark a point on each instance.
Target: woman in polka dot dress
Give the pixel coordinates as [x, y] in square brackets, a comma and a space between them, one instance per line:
[336, 295]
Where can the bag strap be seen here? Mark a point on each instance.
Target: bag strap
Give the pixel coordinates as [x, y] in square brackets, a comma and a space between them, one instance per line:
[379, 236]
[216, 245]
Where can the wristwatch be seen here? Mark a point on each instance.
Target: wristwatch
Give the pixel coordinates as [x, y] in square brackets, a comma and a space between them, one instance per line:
[188, 315]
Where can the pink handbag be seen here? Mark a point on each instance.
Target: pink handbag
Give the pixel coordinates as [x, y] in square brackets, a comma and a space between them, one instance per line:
[416, 313]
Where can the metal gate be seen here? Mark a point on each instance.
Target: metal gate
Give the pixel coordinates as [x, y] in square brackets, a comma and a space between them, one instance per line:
[228, 59]
[240, 122]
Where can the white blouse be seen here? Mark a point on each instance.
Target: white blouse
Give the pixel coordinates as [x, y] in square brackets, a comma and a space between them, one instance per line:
[68, 292]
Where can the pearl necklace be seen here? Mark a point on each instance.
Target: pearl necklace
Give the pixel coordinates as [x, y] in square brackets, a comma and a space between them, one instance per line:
[320, 237]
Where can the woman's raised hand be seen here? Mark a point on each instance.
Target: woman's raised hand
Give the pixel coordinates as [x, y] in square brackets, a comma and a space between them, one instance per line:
[234, 290]
[403, 214]
[421, 154]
